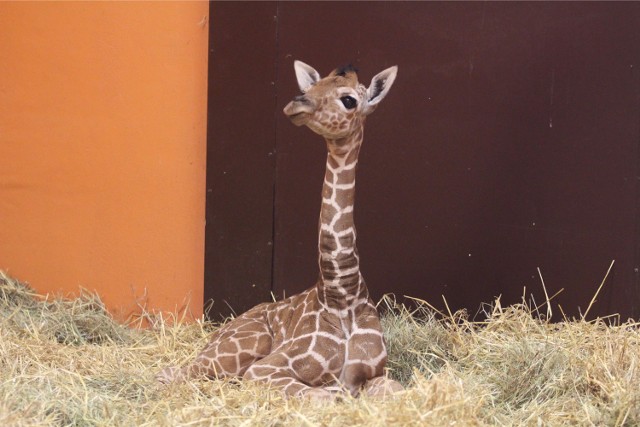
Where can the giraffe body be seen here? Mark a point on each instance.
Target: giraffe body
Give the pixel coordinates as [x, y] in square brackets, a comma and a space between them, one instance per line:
[327, 338]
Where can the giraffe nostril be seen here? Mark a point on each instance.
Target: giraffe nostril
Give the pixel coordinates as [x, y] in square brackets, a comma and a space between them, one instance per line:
[302, 100]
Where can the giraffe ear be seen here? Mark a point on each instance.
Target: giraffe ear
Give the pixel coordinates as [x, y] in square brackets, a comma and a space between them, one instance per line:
[306, 75]
[379, 87]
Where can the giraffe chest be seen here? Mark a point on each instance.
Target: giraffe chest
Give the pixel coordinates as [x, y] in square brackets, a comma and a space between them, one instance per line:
[316, 351]
[322, 348]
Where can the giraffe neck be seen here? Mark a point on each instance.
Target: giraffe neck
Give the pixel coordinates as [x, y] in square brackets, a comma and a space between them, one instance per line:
[341, 285]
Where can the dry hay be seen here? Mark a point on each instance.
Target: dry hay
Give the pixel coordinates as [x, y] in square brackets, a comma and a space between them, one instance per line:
[66, 362]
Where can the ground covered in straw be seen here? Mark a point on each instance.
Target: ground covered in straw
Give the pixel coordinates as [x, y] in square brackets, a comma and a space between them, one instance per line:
[66, 362]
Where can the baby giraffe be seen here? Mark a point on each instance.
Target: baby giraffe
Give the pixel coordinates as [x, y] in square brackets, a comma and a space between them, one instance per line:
[328, 338]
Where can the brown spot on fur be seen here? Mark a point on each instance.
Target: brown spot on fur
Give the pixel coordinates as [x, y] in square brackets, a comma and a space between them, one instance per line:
[307, 367]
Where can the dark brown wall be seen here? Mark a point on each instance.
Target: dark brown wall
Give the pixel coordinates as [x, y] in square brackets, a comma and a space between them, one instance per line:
[509, 141]
[240, 155]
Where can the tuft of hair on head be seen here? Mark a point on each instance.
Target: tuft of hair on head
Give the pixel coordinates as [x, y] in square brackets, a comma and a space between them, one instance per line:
[349, 68]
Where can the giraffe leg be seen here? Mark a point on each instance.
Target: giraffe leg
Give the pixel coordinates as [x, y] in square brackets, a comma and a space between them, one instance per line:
[230, 351]
[381, 387]
[279, 371]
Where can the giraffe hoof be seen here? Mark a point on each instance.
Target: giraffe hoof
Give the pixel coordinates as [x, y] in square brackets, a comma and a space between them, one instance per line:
[319, 395]
[169, 375]
[382, 387]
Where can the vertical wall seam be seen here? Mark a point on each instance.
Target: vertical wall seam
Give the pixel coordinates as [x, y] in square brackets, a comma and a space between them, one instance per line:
[635, 304]
[274, 152]
[207, 193]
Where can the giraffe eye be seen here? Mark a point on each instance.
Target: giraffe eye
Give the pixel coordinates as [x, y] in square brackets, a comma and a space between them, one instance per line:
[349, 102]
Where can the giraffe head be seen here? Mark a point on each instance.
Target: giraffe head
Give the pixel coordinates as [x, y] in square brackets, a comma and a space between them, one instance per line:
[335, 106]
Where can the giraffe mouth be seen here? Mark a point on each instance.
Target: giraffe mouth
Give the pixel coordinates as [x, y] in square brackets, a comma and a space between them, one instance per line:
[299, 119]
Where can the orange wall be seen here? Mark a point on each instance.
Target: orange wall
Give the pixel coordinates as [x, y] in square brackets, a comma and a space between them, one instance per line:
[102, 149]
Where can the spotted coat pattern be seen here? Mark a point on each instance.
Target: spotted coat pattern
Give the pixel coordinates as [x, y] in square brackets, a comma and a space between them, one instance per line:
[327, 339]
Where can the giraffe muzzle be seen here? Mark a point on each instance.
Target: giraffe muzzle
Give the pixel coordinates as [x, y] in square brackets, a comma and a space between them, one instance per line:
[299, 110]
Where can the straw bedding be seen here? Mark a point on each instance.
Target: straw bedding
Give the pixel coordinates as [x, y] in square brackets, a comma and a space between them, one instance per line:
[66, 362]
